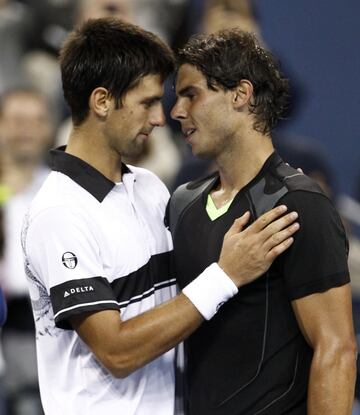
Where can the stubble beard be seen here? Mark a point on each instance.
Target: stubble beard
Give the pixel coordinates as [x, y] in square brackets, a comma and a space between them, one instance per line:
[134, 150]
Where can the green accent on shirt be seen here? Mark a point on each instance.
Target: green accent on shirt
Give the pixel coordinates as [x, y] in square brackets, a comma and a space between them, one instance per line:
[213, 211]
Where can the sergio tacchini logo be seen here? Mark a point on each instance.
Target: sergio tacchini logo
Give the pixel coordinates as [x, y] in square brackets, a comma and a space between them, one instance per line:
[69, 260]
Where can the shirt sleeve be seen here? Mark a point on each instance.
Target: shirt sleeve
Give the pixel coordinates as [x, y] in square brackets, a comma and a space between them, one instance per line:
[64, 252]
[317, 260]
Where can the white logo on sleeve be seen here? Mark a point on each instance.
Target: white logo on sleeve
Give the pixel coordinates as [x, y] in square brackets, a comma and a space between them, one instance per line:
[79, 290]
[69, 260]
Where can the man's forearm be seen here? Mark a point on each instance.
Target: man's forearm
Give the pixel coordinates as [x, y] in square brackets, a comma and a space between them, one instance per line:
[332, 382]
[125, 346]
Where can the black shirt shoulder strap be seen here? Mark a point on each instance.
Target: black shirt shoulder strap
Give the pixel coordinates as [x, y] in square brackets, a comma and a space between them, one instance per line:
[183, 197]
[277, 181]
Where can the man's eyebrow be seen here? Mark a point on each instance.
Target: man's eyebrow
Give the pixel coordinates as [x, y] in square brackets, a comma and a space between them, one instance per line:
[152, 98]
[187, 90]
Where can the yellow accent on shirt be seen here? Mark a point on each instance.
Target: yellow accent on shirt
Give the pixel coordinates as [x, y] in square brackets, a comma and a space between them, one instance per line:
[213, 211]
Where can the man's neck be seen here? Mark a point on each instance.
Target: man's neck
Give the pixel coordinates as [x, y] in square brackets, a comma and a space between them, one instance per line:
[240, 165]
[93, 150]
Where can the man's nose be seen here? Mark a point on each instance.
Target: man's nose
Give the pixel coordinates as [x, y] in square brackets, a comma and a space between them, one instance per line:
[158, 119]
[178, 111]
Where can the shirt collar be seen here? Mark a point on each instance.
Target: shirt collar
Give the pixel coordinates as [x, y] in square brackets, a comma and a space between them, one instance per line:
[83, 173]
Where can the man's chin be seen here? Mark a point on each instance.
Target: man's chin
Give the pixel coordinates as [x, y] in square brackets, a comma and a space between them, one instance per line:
[135, 154]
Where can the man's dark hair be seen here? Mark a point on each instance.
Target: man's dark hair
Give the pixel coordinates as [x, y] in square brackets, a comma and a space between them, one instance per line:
[109, 53]
[227, 57]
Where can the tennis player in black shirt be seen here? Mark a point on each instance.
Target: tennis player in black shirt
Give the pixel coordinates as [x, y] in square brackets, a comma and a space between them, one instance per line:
[285, 343]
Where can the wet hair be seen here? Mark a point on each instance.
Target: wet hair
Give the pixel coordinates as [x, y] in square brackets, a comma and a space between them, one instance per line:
[109, 53]
[228, 56]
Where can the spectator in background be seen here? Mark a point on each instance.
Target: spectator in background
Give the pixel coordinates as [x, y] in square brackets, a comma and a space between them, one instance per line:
[30, 33]
[15, 26]
[222, 14]
[94, 9]
[26, 132]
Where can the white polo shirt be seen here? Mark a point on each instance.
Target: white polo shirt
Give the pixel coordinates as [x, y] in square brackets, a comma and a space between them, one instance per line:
[91, 245]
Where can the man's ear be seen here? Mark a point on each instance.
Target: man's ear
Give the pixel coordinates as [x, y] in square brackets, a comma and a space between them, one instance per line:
[100, 101]
[242, 94]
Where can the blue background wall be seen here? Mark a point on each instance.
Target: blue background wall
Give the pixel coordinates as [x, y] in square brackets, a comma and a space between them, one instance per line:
[318, 42]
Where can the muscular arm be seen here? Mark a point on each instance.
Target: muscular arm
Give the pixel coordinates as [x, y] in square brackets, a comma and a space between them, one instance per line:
[124, 346]
[326, 322]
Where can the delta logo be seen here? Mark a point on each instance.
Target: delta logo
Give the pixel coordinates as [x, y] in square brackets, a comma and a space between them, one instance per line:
[78, 290]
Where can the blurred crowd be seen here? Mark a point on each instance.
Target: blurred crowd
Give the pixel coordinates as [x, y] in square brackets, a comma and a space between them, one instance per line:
[34, 118]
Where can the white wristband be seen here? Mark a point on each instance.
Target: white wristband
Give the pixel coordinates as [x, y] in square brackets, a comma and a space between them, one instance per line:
[210, 290]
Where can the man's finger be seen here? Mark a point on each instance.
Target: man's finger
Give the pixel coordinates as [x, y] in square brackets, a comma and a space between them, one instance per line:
[278, 225]
[264, 220]
[279, 237]
[238, 224]
[279, 249]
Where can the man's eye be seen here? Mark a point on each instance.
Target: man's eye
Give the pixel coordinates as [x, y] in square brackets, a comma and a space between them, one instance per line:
[149, 104]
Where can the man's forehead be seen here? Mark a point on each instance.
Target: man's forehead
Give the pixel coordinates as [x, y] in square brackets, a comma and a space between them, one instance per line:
[188, 75]
[151, 80]
[149, 84]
